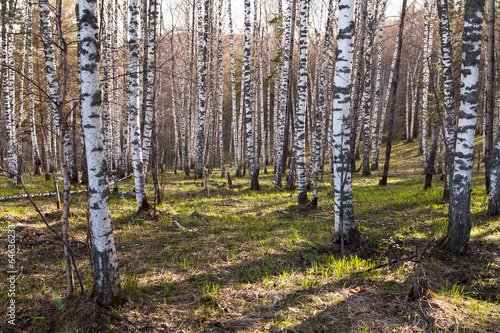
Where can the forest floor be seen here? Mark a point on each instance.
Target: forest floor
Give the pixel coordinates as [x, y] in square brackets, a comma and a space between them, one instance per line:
[254, 261]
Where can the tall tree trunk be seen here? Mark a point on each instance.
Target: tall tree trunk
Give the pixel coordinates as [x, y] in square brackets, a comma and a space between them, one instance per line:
[221, 95]
[355, 91]
[126, 113]
[253, 170]
[34, 141]
[233, 96]
[345, 229]
[367, 105]
[459, 224]
[284, 93]
[300, 140]
[135, 135]
[490, 92]
[448, 91]
[150, 82]
[202, 85]
[320, 119]
[106, 289]
[428, 37]
[376, 105]
[392, 97]
[8, 98]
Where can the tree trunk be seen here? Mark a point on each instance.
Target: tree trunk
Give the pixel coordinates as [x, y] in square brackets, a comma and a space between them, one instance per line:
[459, 224]
[392, 97]
[490, 92]
[320, 119]
[300, 140]
[345, 229]
[106, 289]
[233, 96]
[284, 94]
[202, 85]
[448, 91]
[253, 170]
[135, 135]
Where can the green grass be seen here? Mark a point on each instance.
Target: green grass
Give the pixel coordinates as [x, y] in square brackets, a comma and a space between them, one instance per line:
[245, 267]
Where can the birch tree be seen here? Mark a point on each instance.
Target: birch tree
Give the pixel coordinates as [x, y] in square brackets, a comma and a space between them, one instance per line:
[318, 136]
[221, 93]
[29, 46]
[392, 94]
[345, 229]
[106, 289]
[367, 97]
[284, 94]
[151, 81]
[202, 86]
[376, 105]
[233, 95]
[300, 135]
[490, 92]
[459, 223]
[7, 95]
[253, 171]
[135, 135]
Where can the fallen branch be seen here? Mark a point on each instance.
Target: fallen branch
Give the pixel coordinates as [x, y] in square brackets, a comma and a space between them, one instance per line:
[180, 226]
[404, 259]
[36, 195]
[120, 180]
[228, 198]
[279, 188]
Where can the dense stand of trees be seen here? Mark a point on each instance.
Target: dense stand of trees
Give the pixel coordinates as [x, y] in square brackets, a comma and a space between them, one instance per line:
[152, 87]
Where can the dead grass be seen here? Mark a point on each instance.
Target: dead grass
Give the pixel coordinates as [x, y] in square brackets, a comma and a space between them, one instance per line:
[245, 267]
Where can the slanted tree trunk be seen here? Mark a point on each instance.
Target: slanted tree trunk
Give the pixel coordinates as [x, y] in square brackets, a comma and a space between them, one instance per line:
[345, 229]
[300, 139]
[392, 97]
[135, 135]
[106, 289]
[459, 224]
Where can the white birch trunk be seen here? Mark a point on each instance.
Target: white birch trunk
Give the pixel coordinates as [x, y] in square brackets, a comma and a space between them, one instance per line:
[106, 289]
[135, 135]
[284, 94]
[345, 228]
[459, 224]
[300, 128]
